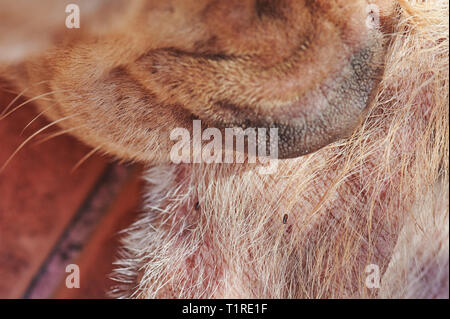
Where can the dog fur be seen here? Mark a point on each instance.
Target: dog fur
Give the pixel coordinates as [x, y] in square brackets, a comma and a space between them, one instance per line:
[371, 191]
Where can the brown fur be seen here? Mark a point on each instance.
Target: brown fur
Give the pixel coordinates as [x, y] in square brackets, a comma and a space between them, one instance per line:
[264, 63]
[227, 63]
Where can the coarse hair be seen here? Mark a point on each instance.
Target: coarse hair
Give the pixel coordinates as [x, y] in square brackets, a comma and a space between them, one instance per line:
[379, 197]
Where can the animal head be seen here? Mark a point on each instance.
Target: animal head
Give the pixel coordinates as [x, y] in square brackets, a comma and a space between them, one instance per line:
[314, 69]
[135, 71]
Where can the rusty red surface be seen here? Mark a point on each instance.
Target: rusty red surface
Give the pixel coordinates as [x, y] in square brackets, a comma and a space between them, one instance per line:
[40, 196]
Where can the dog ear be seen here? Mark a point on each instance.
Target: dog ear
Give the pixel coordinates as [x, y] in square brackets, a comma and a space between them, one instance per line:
[309, 70]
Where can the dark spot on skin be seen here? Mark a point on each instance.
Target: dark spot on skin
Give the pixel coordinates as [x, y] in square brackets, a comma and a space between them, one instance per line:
[197, 206]
[285, 219]
[289, 229]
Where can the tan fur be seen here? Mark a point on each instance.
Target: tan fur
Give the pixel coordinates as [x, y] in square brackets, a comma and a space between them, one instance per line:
[307, 68]
[350, 204]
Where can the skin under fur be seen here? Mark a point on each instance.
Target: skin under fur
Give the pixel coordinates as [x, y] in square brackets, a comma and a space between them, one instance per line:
[313, 69]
